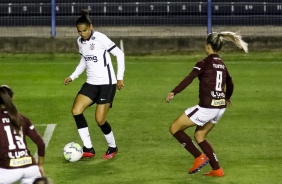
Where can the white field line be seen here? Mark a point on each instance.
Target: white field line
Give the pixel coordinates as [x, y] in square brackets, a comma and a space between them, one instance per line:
[47, 135]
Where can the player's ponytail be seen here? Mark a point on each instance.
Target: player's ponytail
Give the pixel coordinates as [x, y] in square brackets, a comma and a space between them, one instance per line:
[216, 40]
[84, 18]
[6, 95]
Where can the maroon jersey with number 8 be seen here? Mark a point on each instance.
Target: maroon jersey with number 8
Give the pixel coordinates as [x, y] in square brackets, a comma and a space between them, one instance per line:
[215, 82]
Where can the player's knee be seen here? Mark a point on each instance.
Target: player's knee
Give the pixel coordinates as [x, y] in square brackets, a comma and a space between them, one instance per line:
[173, 128]
[100, 120]
[76, 111]
[199, 137]
[170, 129]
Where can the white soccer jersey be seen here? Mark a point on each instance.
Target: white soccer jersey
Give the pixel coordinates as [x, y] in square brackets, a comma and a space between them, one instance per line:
[95, 58]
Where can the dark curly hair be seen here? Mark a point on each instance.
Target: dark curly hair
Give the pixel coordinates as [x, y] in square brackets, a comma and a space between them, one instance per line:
[84, 18]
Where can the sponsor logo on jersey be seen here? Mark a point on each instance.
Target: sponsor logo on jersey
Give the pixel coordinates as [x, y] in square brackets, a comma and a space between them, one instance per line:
[202, 121]
[217, 103]
[20, 161]
[5, 120]
[18, 154]
[218, 66]
[90, 58]
[216, 94]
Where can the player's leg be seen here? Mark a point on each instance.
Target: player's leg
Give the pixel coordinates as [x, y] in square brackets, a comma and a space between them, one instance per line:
[80, 104]
[30, 174]
[200, 136]
[10, 175]
[177, 130]
[104, 103]
[101, 119]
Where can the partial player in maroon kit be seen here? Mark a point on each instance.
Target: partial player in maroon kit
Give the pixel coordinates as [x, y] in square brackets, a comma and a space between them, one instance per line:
[16, 161]
[215, 91]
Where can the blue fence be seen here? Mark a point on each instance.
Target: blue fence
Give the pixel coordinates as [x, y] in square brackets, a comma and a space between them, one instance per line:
[118, 13]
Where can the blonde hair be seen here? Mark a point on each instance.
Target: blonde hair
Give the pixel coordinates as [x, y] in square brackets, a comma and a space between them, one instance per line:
[216, 40]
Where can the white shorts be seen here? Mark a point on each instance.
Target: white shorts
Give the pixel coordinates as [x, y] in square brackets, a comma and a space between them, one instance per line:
[26, 175]
[200, 116]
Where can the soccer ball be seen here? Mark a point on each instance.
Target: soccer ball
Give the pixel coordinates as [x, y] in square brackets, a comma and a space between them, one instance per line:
[72, 152]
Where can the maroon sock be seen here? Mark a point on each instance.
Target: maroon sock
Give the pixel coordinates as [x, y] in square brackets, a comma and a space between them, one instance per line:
[187, 143]
[208, 150]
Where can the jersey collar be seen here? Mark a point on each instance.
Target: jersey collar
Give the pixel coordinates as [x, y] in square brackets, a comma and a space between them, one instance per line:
[91, 35]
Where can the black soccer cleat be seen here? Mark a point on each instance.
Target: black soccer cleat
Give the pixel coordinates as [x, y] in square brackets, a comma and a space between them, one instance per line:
[110, 153]
[88, 152]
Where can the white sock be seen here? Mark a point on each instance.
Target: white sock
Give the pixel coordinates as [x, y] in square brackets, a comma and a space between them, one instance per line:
[110, 139]
[85, 137]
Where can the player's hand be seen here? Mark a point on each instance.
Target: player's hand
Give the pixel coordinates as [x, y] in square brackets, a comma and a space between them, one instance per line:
[228, 102]
[120, 84]
[169, 96]
[67, 80]
[41, 169]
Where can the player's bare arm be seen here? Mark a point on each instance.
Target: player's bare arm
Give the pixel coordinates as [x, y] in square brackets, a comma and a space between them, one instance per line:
[40, 165]
[228, 102]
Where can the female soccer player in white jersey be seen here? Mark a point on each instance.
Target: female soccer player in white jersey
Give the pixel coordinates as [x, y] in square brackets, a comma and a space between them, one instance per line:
[215, 91]
[100, 85]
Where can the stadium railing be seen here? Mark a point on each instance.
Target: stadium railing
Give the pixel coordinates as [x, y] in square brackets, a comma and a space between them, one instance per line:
[143, 13]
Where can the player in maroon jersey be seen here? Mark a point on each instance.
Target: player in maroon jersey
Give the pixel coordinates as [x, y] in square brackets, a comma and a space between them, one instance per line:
[16, 162]
[216, 88]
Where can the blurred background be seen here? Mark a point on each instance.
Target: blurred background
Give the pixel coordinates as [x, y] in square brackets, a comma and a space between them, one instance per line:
[137, 19]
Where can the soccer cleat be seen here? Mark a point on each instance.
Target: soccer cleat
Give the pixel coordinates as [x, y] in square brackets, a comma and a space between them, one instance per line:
[217, 173]
[110, 153]
[88, 152]
[199, 162]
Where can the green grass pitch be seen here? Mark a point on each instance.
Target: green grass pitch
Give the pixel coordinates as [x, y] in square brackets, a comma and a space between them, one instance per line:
[247, 140]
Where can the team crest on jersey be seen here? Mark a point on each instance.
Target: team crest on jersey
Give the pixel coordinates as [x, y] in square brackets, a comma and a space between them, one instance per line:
[92, 46]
